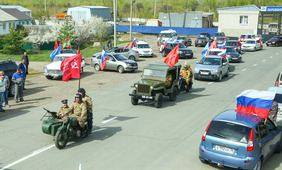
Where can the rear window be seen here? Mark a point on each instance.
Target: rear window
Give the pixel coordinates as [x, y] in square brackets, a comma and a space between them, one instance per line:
[229, 131]
[231, 44]
[278, 98]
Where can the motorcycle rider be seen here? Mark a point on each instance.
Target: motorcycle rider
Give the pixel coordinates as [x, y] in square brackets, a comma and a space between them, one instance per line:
[64, 110]
[78, 109]
[89, 104]
[187, 76]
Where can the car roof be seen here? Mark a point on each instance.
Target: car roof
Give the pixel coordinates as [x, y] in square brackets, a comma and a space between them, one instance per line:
[66, 55]
[213, 56]
[141, 42]
[216, 49]
[232, 40]
[275, 89]
[162, 66]
[245, 119]
[167, 31]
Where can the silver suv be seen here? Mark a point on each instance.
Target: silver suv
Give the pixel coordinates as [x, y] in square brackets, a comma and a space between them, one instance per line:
[212, 67]
[128, 53]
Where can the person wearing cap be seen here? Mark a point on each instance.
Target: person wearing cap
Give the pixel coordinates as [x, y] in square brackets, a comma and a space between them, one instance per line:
[17, 78]
[89, 106]
[7, 85]
[64, 110]
[78, 109]
[187, 75]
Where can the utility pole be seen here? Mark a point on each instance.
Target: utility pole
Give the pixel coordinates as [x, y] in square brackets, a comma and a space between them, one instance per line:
[131, 6]
[45, 6]
[155, 8]
[115, 23]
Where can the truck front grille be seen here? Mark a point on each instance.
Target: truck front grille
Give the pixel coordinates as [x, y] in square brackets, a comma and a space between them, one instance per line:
[143, 89]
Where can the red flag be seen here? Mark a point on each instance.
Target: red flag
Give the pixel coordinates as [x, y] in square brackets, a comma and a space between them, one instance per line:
[71, 67]
[172, 58]
[78, 51]
[213, 44]
[56, 45]
[260, 42]
[125, 47]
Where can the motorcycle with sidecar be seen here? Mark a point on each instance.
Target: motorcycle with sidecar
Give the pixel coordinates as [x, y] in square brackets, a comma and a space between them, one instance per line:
[62, 129]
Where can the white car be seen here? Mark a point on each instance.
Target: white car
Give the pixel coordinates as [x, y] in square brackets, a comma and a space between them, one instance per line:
[53, 70]
[251, 45]
[143, 48]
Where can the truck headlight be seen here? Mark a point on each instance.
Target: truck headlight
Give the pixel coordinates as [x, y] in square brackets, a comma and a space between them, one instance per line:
[215, 70]
[151, 87]
[136, 86]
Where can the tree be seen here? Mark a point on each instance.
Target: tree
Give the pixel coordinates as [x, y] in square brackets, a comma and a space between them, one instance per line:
[14, 41]
[67, 31]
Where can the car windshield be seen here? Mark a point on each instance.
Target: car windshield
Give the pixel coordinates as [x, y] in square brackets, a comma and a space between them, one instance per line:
[203, 34]
[229, 131]
[60, 58]
[143, 46]
[69, 52]
[229, 50]
[231, 44]
[220, 38]
[217, 34]
[274, 39]
[201, 38]
[210, 61]
[120, 57]
[250, 42]
[165, 35]
[180, 45]
[180, 38]
[273, 25]
[214, 52]
[154, 73]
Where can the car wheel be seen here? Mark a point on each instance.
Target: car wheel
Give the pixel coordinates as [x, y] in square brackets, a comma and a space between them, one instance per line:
[81, 70]
[227, 73]
[134, 100]
[97, 67]
[131, 58]
[279, 147]
[276, 44]
[196, 45]
[172, 96]
[220, 77]
[158, 100]
[255, 49]
[258, 165]
[49, 77]
[120, 69]
[12, 89]
[163, 53]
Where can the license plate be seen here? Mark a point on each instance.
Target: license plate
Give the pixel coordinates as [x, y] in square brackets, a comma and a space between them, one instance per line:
[205, 73]
[224, 149]
[134, 67]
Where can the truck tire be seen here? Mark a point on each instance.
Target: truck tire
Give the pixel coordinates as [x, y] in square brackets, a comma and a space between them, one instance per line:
[158, 100]
[134, 100]
[172, 96]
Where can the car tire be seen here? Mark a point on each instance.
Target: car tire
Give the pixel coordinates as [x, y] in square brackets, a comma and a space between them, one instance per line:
[227, 73]
[172, 96]
[49, 77]
[134, 100]
[163, 54]
[258, 165]
[255, 49]
[81, 70]
[276, 44]
[158, 100]
[120, 69]
[131, 58]
[196, 45]
[279, 147]
[97, 67]
[220, 77]
[12, 90]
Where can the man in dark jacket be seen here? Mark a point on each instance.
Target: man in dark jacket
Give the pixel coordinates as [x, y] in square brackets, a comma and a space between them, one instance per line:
[26, 63]
[23, 68]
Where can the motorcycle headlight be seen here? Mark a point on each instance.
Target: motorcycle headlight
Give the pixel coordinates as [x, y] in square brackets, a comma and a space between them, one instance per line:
[215, 70]
[65, 119]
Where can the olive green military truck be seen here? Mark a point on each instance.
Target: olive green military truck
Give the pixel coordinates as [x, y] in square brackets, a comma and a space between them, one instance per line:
[155, 83]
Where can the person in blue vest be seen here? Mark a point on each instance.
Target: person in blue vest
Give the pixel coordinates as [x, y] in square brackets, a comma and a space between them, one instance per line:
[17, 78]
[22, 66]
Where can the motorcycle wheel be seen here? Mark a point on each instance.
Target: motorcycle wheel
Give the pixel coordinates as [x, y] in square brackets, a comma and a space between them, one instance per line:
[61, 139]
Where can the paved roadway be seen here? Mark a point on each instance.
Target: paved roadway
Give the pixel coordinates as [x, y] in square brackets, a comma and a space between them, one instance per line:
[138, 137]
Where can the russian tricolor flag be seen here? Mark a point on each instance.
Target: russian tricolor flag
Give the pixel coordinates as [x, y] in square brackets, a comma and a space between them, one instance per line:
[222, 54]
[104, 59]
[255, 102]
[246, 37]
[222, 46]
[133, 42]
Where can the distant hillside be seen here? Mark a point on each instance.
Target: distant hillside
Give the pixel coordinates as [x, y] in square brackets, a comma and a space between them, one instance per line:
[141, 8]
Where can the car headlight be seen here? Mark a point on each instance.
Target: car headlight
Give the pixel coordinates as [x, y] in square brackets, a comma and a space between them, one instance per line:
[128, 64]
[151, 87]
[45, 70]
[215, 70]
[136, 85]
[180, 52]
[196, 69]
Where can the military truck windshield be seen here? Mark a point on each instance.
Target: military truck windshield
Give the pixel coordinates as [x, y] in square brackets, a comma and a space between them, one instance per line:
[154, 73]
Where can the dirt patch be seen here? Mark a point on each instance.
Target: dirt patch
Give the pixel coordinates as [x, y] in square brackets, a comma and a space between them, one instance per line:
[124, 38]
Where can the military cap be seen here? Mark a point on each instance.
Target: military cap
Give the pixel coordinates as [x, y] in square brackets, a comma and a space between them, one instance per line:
[64, 101]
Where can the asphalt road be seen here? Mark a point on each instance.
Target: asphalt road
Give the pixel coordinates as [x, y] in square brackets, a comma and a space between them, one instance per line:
[138, 137]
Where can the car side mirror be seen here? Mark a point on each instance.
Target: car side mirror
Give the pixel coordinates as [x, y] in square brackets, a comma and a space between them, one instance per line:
[197, 62]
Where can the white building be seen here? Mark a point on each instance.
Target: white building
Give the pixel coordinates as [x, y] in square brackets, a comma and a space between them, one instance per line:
[84, 13]
[235, 21]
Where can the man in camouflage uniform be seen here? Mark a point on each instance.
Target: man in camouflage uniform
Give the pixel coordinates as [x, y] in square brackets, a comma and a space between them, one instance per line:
[64, 110]
[187, 75]
[89, 104]
[79, 110]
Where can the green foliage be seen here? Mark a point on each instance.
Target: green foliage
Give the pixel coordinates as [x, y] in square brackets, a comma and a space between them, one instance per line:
[13, 42]
[67, 31]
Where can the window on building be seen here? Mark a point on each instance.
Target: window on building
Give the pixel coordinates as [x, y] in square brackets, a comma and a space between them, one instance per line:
[4, 26]
[243, 19]
[10, 24]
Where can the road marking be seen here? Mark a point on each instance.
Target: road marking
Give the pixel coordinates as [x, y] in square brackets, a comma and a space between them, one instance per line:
[79, 168]
[263, 60]
[271, 56]
[29, 156]
[106, 121]
[244, 69]
[277, 53]
[255, 65]
[210, 83]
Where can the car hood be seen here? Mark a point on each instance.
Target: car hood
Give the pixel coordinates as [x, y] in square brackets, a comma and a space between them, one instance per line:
[233, 54]
[249, 45]
[207, 67]
[270, 41]
[184, 49]
[56, 65]
[129, 61]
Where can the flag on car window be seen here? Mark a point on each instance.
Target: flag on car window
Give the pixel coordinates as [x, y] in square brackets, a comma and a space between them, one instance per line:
[255, 102]
[55, 52]
[172, 58]
[205, 51]
[71, 67]
[222, 46]
[133, 42]
[125, 47]
[104, 59]
[66, 43]
[160, 40]
[222, 54]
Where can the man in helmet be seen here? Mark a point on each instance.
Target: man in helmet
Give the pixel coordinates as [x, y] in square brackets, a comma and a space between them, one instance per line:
[187, 75]
[89, 104]
[78, 109]
[64, 110]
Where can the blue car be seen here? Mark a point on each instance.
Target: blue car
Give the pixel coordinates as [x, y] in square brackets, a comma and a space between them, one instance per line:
[239, 140]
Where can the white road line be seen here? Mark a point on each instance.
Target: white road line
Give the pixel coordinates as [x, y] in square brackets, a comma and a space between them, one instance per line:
[210, 83]
[29, 156]
[263, 60]
[244, 69]
[277, 53]
[79, 168]
[106, 121]
[255, 65]
[271, 56]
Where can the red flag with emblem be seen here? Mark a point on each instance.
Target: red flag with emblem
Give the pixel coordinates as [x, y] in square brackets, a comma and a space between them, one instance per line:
[213, 44]
[172, 58]
[56, 45]
[71, 67]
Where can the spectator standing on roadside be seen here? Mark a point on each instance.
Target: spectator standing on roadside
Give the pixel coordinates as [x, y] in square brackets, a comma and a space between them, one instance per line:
[7, 85]
[2, 90]
[23, 68]
[18, 80]
[26, 63]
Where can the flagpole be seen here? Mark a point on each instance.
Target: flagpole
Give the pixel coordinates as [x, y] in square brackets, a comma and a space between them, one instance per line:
[80, 68]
